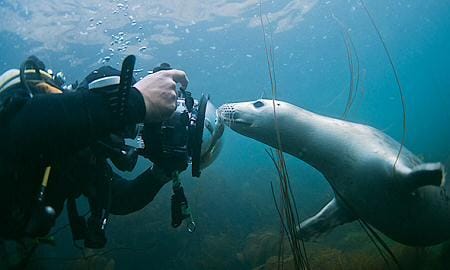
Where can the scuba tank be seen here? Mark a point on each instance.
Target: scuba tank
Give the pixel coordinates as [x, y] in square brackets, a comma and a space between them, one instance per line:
[16, 87]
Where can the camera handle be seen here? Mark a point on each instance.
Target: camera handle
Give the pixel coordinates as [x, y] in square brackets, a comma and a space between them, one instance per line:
[180, 207]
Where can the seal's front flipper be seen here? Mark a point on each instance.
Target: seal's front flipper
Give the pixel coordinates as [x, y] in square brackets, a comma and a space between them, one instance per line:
[331, 216]
[425, 175]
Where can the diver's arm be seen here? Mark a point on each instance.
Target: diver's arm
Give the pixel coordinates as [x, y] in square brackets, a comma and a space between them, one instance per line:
[52, 126]
[129, 196]
[48, 127]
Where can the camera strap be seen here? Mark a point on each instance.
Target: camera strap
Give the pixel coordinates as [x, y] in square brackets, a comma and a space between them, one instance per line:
[180, 207]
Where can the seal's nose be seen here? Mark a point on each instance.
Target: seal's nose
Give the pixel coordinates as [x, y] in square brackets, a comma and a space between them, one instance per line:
[226, 112]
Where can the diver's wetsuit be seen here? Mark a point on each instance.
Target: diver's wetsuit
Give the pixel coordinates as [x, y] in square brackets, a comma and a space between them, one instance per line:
[80, 171]
[54, 125]
[53, 130]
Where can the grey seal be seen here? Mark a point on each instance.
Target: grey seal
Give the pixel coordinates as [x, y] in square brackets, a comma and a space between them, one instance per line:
[408, 202]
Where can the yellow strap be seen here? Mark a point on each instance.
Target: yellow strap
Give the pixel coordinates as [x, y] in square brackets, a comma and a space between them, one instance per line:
[46, 175]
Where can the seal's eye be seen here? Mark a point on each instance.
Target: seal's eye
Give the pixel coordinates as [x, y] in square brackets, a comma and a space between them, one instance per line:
[258, 104]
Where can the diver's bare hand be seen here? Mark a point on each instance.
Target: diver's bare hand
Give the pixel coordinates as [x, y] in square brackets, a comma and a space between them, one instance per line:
[159, 92]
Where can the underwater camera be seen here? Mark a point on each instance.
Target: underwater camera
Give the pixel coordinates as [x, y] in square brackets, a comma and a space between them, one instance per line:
[172, 144]
[176, 142]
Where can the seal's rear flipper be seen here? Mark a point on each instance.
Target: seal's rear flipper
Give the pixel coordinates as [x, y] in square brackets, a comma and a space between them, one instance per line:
[331, 216]
[426, 174]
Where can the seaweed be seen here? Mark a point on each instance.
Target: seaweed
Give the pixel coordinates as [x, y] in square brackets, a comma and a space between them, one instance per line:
[352, 56]
[397, 80]
[287, 210]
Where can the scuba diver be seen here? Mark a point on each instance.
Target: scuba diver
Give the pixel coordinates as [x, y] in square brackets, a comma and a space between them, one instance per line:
[58, 145]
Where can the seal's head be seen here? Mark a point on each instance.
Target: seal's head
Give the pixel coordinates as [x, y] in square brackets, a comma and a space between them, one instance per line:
[254, 119]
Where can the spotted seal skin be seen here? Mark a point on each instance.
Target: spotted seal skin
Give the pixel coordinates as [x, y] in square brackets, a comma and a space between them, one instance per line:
[409, 204]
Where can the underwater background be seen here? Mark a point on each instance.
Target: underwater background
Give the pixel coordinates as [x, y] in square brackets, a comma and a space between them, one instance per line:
[220, 44]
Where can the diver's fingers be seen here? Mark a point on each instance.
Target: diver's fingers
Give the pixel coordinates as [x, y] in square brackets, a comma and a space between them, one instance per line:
[178, 76]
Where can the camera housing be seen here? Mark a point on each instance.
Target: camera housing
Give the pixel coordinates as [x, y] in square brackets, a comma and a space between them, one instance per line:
[172, 144]
[176, 142]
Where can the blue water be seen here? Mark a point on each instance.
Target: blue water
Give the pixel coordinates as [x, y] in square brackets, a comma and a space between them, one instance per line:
[220, 45]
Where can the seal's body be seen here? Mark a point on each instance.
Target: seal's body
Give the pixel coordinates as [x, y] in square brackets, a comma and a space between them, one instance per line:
[407, 202]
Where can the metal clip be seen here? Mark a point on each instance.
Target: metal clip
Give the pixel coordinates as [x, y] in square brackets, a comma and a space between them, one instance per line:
[190, 225]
